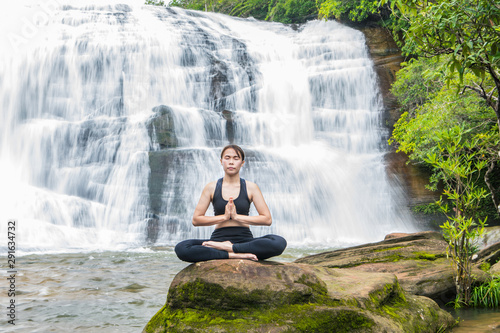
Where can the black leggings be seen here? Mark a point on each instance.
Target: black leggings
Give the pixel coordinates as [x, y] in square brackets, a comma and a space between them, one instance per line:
[243, 241]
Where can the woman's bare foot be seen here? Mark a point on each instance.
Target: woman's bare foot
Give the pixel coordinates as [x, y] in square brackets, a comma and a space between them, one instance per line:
[228, 247]
[224, 246]
[249, 256]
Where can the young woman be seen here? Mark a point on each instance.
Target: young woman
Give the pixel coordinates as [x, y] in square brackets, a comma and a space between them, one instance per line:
[231, 197]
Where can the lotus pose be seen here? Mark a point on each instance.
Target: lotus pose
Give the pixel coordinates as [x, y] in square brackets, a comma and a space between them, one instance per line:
[231, 197]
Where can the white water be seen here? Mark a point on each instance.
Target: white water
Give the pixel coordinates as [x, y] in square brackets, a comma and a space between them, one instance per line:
[77, 88]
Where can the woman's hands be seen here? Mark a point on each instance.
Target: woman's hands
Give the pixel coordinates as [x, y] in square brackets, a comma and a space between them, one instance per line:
[230, 212]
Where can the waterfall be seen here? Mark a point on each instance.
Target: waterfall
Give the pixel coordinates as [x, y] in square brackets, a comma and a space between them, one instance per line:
[114, 114]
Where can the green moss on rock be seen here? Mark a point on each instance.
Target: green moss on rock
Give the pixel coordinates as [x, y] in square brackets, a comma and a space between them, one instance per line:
[292, 318]
[206, 295]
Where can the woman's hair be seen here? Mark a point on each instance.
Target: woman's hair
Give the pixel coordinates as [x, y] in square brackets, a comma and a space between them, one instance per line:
[236, 148]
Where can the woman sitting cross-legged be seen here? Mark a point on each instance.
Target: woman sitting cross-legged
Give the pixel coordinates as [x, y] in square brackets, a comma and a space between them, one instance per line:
[231, 197]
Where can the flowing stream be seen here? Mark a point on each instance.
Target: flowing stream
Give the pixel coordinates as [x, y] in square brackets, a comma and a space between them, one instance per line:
[113, 117]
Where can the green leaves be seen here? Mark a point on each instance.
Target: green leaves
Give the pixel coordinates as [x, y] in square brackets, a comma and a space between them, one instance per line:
[355, 11]
[457, 158]
[466, 29]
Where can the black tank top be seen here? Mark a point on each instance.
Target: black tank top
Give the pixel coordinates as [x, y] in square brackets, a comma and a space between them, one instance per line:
[242, 202]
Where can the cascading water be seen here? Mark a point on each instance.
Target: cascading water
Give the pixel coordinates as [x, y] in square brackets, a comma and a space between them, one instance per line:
[113, 116]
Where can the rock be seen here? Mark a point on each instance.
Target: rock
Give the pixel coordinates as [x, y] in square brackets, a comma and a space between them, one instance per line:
[246, 296]
[161, 127]
[490, 255]
[418, 260]
[395, 235]
[168, 204]
[160, 163]
[228, 116]
[491, 237]
[495, 269]
[387, 60]
[152, 229]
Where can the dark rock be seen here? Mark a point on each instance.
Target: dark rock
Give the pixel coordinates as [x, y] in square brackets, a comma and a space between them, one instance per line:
[159, 162]
[161, 127]
[246, 296]
[228, 115]
[152, 230]
[491, 255]
[220, 84]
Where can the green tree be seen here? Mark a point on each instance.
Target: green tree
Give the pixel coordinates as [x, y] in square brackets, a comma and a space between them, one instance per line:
[467, 30]
[458, 165]
[431, 107]
[456, 135]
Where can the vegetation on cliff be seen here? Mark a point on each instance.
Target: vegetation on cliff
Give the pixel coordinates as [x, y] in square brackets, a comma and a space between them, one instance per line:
[292, 11]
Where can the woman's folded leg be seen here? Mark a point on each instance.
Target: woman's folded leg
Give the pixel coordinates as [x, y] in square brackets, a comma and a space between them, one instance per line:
[192, 250]
[263, 247]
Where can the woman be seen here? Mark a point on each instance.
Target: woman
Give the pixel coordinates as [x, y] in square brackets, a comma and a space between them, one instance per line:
[232, 238]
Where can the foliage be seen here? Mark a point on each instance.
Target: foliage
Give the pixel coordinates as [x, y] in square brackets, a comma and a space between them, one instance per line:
[356, 11]
[432, 107]
[485, 266]
[466, 30]
[254, 8]
[285, 11]
[431, 208]
[291, 11]
[487, 294]
[417, 82]
[155, 2]
[457, 164]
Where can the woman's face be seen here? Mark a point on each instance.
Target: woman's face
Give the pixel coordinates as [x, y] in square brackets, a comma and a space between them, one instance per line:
[231, 162]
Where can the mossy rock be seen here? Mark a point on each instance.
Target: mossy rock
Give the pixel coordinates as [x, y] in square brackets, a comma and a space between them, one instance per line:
[418, 260]
[246, 296]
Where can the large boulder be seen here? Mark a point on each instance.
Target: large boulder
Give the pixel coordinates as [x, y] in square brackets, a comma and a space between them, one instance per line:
[247, 296]
[418, 260]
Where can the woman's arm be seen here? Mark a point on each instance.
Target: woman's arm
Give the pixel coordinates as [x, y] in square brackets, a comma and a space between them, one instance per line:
[255, 195]
[199, 218]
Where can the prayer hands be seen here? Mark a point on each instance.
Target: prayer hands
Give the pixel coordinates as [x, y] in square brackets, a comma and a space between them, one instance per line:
[230, 212]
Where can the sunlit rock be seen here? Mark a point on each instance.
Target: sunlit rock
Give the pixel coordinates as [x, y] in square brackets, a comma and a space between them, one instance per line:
[418, 260]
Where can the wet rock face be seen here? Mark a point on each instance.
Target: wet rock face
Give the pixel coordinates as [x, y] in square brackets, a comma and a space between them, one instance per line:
[246, 296]
[152, 229]
[387, 59]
